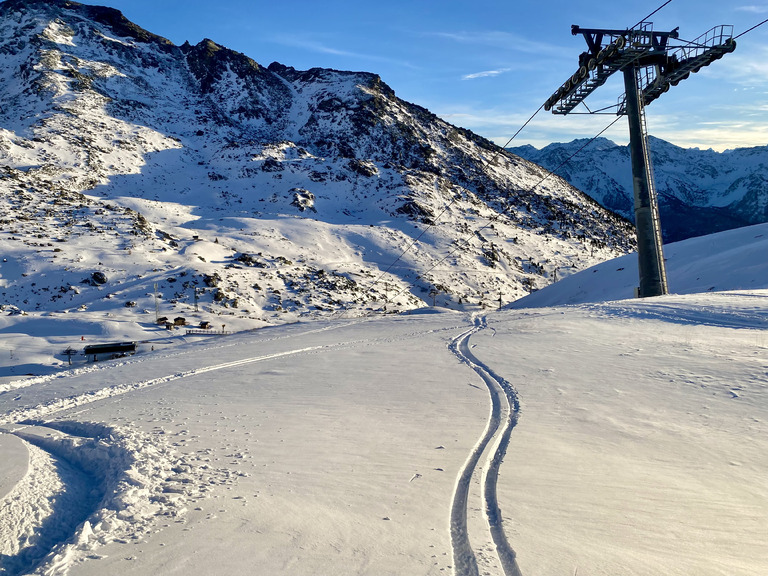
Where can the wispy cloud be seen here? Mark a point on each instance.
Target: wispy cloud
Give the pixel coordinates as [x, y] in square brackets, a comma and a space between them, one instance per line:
[754, 9]
[485, 74]
[745, 68]
[502, 40]
[313, 46]
[319, 47]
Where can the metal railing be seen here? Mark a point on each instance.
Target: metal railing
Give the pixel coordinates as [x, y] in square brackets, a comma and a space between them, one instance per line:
[717, 36]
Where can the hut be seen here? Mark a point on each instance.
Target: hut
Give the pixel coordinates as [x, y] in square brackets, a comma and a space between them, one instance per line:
[96, 352]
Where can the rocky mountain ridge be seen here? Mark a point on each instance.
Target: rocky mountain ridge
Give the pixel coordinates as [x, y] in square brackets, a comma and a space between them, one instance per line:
[197, 181]
[700, 191]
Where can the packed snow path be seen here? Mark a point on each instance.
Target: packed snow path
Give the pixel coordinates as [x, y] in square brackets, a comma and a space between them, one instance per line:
[478, 482]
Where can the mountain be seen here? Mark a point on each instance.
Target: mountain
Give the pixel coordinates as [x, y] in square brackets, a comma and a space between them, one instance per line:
[700, 191]
[190, 181]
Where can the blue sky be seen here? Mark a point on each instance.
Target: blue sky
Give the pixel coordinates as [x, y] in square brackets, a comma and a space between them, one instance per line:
[488, 65]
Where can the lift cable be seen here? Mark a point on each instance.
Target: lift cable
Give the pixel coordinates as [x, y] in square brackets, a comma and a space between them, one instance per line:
[521, 128]
[750, 30]
[495, 217]
[651, 14]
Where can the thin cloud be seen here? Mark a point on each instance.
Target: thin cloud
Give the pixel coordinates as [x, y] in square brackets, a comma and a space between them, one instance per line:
[485, 74]
[502, 40]
[315, 46]
[754, 9]
[744, 68]
[318, 47]
[716, 137]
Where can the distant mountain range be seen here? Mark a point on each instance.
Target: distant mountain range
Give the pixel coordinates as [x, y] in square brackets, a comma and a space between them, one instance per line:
[700, 191]
[138, 173]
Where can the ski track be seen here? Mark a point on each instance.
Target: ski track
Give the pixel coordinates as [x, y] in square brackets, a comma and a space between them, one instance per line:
[25, 382]
[87, 397]
[493, 443]
[58, 404]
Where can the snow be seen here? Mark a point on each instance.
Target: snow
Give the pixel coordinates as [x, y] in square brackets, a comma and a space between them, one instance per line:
[15, 462]
[578, 431]
[631, 436]
[693, 266]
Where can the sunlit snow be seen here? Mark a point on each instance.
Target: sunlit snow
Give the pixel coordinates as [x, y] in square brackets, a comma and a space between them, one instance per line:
[640, 445]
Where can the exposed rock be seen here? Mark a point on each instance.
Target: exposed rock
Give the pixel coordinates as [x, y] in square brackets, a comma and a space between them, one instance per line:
[303, 199]
[98, 278]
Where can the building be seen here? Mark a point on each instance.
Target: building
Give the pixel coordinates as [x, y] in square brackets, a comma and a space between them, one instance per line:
[96, 352]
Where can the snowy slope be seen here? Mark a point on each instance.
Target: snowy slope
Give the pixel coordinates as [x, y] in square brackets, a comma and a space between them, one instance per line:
[732, 260]
[700, 191]
[266, 193]
[631, 439]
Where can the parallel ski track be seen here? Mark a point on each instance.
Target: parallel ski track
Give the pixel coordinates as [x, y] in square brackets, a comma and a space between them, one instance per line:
[502, 419]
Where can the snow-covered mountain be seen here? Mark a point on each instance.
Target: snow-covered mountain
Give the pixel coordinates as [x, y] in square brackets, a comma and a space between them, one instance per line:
[168, 179]
[700, 191]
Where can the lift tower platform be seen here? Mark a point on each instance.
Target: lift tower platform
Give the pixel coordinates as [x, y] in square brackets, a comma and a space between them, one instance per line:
[651, 62]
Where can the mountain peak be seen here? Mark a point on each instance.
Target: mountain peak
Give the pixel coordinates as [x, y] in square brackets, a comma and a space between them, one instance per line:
[210, 62]
[110, 17]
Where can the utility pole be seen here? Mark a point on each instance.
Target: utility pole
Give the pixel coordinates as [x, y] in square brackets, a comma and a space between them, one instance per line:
[157, 306]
